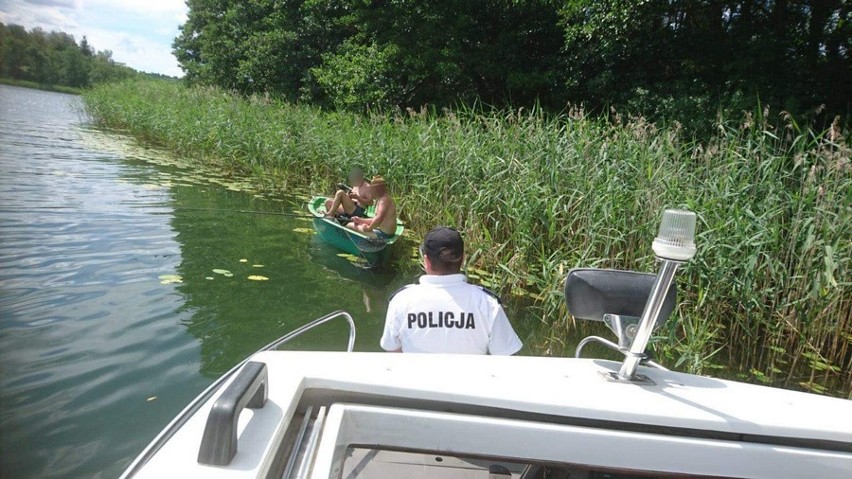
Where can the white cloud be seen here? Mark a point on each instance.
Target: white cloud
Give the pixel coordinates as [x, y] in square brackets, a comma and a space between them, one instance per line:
[137, 6]
[136, 51]
[36, 15]
[54, 3]
[138, 32]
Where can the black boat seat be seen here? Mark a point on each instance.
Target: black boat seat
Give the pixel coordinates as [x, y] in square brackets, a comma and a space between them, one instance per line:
[591, 293]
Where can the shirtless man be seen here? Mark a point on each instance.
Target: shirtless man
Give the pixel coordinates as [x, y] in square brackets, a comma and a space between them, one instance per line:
[354, 202]
[383, 225]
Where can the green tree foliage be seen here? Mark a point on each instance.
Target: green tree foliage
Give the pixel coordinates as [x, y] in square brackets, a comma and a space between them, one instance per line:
[358, 76]
[55, 58]
[663, 58]
[440, 52]
[667, 56]
[361, 54]
[256, 46]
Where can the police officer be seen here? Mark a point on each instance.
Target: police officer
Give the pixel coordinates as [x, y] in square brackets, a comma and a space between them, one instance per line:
[445, 314]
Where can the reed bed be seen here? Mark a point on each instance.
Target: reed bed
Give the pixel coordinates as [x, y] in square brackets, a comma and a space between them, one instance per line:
[767, 297]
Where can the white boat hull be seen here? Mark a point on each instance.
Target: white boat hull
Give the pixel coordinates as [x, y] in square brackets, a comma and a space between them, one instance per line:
[520, 410]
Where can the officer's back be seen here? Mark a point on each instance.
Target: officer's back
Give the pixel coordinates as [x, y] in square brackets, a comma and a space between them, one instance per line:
[443, 313]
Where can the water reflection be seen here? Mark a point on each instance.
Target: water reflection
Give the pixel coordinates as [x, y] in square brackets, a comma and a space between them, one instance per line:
[84, 330]
[233, 316]
[97, 355]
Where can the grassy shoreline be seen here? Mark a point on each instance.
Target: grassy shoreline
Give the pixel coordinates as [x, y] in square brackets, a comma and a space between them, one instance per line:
[537, 195]
[40, 86]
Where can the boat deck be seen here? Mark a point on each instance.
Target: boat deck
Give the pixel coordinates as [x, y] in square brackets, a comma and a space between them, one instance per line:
[510, 407]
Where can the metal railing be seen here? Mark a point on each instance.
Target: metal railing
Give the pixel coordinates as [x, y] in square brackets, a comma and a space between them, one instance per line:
[205, 395]
[350, 346]
[614, 347]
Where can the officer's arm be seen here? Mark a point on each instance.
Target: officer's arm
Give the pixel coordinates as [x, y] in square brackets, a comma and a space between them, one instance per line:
[504, 340]
[390, 341]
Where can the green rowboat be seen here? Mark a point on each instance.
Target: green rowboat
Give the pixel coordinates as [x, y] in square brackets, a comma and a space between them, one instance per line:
[350, 241]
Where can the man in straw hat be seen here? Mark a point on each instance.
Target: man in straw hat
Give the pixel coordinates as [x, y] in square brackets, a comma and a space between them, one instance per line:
[444, 313]
[383, 224]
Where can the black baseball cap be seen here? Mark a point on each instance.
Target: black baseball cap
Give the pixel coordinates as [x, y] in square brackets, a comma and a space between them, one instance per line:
[444, 243]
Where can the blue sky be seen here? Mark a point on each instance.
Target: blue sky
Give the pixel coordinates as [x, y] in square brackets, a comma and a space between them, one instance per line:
[139, 32]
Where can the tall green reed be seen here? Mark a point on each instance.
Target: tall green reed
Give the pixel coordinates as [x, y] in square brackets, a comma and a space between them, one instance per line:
[768, 293]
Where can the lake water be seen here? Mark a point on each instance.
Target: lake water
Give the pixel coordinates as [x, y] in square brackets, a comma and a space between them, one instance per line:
[99, 347]
[96, 354]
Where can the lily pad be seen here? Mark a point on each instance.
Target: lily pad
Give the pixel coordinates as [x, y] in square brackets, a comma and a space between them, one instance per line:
[243, 260]
[223, 272]
[210, 278]
[171, 279]
[256, 277]
[303, 230]
[257, 266]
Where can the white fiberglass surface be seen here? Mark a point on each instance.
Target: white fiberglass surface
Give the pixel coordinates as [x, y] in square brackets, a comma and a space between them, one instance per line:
[591, 451]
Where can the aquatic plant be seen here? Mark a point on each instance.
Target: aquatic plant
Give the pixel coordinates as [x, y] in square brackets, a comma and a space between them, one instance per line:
[768, 293]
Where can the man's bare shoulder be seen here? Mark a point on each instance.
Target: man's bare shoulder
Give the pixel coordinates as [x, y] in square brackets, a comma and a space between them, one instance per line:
[386, 200]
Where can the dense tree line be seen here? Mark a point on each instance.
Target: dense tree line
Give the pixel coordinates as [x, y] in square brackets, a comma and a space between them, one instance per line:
[666, 56]
[55, 58]
[653, 56]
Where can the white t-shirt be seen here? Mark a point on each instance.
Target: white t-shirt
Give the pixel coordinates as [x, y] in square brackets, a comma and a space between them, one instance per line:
[445, 314]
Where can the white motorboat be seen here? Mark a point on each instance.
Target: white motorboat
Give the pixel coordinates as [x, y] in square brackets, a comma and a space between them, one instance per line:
[286, 414]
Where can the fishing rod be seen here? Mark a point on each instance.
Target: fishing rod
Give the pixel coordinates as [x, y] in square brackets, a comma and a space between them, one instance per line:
[170, 208]
[253, 212]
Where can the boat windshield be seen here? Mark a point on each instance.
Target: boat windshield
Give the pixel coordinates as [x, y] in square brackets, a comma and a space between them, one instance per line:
[366, 462]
